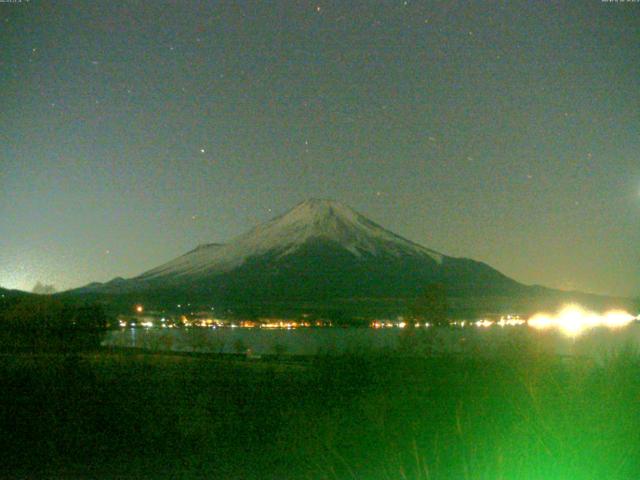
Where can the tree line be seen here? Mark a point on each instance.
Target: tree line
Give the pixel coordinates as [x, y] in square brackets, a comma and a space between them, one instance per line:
[44, 323]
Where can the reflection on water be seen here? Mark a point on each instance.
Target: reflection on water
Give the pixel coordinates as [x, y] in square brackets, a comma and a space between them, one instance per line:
[594, 343]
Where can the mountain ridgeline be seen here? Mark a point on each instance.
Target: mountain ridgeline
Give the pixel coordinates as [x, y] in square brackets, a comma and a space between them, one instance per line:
[323, 256]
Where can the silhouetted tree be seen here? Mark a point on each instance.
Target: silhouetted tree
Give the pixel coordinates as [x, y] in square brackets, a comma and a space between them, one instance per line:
[239, 346]
[45, 323]
[432, 306]
[43, 289]
[279, 349]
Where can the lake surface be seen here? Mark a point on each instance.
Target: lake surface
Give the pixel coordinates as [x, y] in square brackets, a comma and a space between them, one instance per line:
[595, 343]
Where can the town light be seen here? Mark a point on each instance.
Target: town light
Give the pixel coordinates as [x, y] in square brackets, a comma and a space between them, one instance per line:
[573, 320]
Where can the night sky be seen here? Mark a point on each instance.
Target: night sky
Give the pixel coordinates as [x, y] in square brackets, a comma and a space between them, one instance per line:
[507, 132]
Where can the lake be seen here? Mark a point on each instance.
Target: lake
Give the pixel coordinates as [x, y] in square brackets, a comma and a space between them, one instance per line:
[595, 343]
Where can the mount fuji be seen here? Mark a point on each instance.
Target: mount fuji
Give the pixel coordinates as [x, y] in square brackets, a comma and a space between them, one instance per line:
[319, 254]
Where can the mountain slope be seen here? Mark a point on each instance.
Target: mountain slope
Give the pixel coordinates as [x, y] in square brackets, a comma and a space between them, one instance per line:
[319, 253]
[6, 293]
[285, 235]
[319, 249]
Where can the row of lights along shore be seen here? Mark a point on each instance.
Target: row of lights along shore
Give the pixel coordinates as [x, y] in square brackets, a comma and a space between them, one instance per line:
[571, 320]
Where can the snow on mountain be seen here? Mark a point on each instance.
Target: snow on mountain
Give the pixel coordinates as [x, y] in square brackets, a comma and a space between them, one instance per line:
[320, 255]
[313, 219]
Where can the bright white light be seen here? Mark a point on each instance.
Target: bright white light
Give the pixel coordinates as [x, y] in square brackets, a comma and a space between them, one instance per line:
[541, 321]
[572, 320]
[617, 319]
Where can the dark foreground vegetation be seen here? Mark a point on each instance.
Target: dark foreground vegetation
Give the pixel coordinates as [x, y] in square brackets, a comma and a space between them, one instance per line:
[41, 323]
[521, 414]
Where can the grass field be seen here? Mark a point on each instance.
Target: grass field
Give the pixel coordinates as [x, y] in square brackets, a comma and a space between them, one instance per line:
[522, 414]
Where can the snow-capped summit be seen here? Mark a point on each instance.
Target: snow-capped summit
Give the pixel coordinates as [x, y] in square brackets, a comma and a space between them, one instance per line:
[311, 220]
[334, 221]
[324, 257]
[319, 252]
